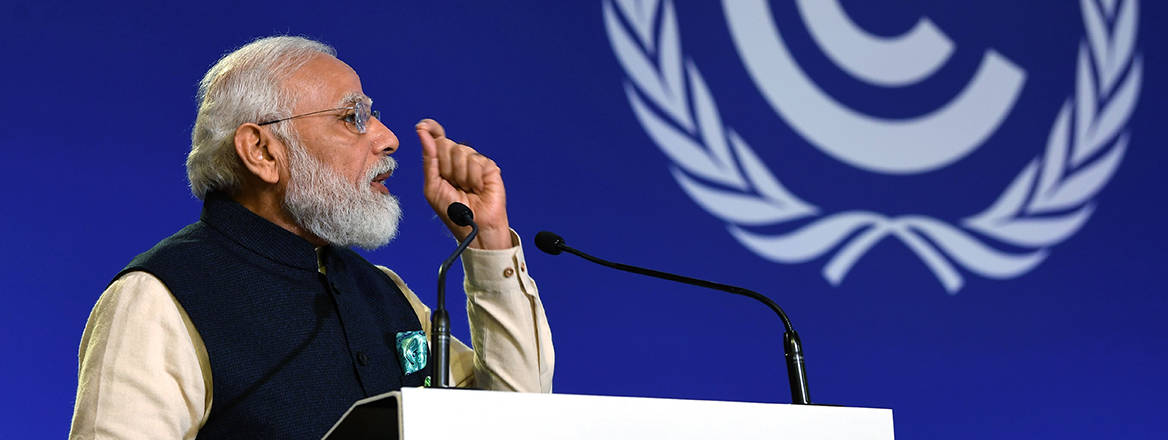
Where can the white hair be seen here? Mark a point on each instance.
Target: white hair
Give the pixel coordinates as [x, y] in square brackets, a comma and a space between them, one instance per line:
[340, 211]
[243, 86]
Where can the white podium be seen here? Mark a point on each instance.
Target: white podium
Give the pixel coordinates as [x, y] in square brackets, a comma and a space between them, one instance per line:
[434, 414]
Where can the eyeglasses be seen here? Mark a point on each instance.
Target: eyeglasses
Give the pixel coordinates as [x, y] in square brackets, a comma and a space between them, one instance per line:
[357, 121]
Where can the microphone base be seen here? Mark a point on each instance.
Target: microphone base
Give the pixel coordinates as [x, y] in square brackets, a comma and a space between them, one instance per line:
[440, 349]
[796, 369]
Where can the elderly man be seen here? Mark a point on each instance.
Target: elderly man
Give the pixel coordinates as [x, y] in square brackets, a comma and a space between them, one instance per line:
[257, 321]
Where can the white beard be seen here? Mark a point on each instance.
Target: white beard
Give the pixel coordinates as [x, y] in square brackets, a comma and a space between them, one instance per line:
[336, 210]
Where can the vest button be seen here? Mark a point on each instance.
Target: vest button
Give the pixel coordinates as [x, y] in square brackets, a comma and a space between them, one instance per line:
[362, 358]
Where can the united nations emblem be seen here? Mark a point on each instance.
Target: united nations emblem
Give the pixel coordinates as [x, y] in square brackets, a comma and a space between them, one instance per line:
[1046, 203]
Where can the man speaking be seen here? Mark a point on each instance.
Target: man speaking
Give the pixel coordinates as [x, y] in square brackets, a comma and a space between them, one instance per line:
[257, 321]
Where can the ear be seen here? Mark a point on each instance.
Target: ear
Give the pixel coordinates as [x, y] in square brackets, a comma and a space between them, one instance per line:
[257, 150]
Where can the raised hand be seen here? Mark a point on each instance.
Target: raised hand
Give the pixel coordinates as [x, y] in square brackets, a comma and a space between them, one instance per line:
[457, 173]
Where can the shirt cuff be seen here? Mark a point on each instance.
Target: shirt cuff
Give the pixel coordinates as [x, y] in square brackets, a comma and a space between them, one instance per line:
[497, 270]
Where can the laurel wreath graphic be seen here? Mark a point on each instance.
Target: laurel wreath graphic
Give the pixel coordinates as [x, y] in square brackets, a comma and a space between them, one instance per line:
[1049, 200]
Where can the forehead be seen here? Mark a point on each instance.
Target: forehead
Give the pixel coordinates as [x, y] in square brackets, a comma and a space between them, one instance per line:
[323, 81]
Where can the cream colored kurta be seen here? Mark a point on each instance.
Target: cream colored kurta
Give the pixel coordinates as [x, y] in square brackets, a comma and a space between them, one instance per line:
[144, 373]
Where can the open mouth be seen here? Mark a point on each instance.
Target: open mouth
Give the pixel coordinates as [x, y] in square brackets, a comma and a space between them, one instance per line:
[378, 182]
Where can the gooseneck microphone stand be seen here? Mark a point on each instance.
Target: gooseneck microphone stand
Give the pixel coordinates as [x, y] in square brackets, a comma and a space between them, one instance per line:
[440, 319]
[792, 348]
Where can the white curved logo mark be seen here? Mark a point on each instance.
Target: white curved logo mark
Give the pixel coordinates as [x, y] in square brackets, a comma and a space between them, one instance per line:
[888, 62]
[1049, 200]
[894, 146]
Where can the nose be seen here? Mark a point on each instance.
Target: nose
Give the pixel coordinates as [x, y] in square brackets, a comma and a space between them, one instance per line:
[384, 141]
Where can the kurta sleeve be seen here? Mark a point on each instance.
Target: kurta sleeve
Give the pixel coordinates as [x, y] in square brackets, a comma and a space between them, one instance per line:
[143, 370]
[509, 330]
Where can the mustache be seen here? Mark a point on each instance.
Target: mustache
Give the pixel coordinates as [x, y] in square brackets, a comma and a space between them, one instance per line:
[387, 164]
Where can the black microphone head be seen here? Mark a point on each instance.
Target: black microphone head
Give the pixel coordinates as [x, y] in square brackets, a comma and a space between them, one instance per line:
[549, 242]
[459, 214]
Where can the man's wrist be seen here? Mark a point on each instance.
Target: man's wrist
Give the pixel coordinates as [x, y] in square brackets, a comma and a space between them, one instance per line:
[493, 238]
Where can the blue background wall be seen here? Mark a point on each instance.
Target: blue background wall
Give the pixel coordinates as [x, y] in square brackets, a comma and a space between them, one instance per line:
[99, 101]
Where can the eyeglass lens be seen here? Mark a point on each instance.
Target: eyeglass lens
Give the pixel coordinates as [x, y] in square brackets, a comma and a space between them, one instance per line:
[363, 112]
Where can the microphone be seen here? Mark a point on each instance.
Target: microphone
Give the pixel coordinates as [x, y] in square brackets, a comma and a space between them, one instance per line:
[792, 348]
[440, 319]
[460, 214]
[549, 242]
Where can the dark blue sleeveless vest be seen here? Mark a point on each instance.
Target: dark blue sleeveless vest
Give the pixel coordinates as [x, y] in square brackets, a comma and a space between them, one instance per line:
[290, 348]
